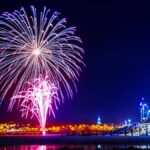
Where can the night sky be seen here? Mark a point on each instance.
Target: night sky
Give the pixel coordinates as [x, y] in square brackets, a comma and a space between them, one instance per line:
[116, 39]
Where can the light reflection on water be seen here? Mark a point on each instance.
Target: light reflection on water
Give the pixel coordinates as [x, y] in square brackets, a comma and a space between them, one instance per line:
[75, 147]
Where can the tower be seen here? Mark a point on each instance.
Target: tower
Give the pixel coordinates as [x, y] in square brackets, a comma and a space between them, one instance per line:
[98, 120]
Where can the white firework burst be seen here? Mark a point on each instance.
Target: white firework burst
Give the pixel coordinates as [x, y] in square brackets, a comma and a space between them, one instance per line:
[39, 99]
[39, 43]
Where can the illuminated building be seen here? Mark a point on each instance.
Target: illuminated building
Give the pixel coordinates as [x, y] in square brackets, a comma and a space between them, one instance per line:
[144, 111]
[99, 120]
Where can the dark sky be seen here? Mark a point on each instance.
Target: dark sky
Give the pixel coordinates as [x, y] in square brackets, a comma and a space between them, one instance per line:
[116, 39]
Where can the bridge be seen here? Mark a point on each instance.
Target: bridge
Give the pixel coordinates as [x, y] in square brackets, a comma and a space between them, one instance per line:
[135, 129]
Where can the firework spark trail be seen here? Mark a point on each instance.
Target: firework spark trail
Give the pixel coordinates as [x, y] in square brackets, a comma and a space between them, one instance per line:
[39, 99]
[34, 44]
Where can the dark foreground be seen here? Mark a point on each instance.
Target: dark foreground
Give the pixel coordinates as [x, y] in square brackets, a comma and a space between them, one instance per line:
[47, 139]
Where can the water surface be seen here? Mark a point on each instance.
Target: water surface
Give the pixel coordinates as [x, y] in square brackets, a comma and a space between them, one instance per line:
[75, 147]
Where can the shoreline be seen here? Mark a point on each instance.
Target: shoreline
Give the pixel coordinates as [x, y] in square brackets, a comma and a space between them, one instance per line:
[68, 140]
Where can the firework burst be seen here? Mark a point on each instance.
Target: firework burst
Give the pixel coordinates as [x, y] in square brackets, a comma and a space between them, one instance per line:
[40, 98]
[38, 43]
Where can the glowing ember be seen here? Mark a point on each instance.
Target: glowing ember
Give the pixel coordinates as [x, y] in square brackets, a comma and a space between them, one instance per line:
[39, 98]
[36, 52]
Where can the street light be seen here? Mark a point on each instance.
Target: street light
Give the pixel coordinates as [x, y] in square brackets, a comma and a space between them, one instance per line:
[148, 112]
[129, 121]
[125, 123]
